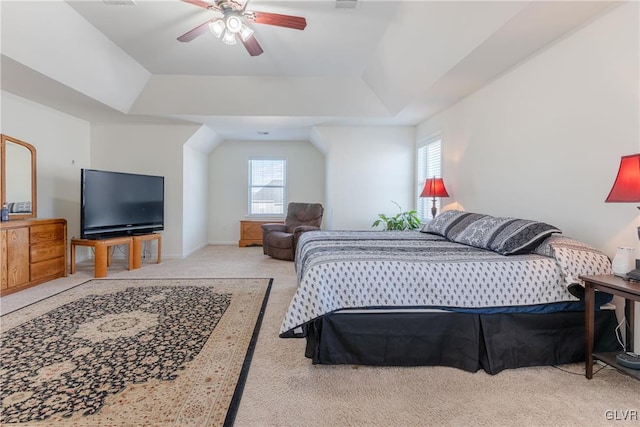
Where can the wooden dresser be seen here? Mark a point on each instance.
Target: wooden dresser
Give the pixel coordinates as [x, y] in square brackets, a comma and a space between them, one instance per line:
[32, 251]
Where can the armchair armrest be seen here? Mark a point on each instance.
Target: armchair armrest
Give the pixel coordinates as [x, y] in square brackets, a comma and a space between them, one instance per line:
[301, 229]
[268, 228]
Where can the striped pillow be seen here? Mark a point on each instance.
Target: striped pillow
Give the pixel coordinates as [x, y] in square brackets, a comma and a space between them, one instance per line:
[521, 236]
[442, 223]
[482, 232]
[459, 227]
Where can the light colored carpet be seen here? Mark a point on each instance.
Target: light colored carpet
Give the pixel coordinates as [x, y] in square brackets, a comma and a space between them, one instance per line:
[283, 388]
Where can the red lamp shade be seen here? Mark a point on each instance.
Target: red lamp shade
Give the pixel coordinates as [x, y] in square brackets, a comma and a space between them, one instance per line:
[626, 188]
[434, 187]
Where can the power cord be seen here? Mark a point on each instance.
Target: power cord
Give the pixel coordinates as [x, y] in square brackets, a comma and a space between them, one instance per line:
[622, 323]
[579, 373]
[146, 252]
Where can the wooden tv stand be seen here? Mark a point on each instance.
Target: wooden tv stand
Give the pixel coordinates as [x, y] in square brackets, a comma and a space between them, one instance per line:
[137, 247]
[102, 253]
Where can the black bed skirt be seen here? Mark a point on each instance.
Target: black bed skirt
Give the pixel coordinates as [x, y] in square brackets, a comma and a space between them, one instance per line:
[492, 342]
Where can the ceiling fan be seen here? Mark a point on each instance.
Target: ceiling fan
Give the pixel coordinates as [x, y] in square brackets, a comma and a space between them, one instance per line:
[231, 25]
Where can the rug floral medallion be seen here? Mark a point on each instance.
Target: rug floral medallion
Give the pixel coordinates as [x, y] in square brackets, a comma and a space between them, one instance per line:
[142, 352]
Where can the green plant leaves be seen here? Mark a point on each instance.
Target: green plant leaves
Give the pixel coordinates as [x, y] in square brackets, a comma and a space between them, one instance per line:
[407, 220]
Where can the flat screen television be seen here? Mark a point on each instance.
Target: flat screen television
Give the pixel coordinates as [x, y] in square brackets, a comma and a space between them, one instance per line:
[119, 204]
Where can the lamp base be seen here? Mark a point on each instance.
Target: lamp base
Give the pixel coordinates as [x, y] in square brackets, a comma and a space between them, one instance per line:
[634, 275]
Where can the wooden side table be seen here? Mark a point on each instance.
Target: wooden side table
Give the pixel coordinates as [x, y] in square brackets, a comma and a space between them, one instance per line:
[137, 247]
[617, 286]
[102, 254]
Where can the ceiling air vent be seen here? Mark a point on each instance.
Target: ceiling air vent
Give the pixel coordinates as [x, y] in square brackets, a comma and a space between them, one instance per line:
[119, 2]
[346, 4]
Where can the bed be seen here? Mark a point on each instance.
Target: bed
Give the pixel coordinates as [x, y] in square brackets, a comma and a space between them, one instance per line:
[468, 290]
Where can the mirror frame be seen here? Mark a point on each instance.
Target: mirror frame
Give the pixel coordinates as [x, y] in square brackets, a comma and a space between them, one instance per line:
[3, 179]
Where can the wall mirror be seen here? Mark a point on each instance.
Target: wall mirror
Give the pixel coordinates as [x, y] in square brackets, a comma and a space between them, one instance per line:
[18, 177]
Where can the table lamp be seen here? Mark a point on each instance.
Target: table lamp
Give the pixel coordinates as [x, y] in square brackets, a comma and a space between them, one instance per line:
[626, 189]
[434, 187]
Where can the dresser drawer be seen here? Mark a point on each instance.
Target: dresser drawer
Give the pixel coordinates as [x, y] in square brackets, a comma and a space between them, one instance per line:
[46, 233]
[53, 267]
[48, 250]
[32, 251]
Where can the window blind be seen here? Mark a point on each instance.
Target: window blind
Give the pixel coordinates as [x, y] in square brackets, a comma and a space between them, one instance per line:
[429, 165]
[267, 186]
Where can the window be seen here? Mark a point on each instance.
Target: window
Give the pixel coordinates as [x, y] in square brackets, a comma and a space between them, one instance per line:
[429, 165]
[267, 186]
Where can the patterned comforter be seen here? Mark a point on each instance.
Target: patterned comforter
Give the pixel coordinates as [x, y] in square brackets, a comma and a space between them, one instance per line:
[402, 269]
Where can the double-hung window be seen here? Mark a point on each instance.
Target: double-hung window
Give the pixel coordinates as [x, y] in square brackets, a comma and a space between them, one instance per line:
[429, 166]
[267, 186]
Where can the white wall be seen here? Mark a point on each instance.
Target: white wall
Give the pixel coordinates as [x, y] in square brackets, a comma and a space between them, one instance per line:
[62, 143]
[367, 169]
[52, 38]
[152, 150]
[228, 181]
[544, 140]
[195, 200]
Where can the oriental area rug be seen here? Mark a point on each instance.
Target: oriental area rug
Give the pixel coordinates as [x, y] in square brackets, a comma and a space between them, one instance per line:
[143, 352]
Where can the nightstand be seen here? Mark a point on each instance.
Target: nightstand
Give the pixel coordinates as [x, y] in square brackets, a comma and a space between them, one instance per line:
[630, 291]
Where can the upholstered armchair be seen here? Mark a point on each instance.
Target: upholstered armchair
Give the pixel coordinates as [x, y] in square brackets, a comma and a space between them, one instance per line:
[280, 240]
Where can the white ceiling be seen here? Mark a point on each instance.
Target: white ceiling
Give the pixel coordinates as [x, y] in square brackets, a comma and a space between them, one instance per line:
[380, 63]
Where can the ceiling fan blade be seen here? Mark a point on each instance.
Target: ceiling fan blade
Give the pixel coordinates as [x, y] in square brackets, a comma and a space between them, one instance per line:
[288, 21]
[197, 31]
[201, 3]
[252, 45]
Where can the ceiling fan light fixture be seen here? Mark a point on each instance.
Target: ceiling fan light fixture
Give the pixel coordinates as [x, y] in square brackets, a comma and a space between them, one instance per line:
[245, 32]
[217, 27]
[231, 23]
[234, 24]
[229, 38]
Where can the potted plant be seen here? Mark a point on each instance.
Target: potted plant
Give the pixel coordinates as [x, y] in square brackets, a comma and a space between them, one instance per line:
[407, 220]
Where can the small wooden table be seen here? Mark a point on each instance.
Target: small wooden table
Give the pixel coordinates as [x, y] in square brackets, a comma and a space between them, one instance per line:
[617, 286]
[102, 254]
[137, 247]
